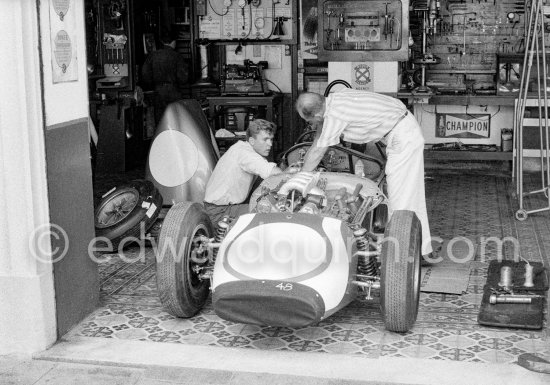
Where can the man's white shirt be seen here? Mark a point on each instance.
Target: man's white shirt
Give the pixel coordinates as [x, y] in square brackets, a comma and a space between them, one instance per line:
[234, 174]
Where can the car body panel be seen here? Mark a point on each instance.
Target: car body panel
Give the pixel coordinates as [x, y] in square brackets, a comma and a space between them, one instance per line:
[285, 252]
[183, 153]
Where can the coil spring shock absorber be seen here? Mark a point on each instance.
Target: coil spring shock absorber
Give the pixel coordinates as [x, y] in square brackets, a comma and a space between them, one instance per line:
[221, 231]
[365, 264]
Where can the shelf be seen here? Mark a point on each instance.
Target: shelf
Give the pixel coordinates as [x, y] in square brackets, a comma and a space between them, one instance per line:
[455, 71]
[467, 155]
[533, 122]
[463, 100]
[242, 41]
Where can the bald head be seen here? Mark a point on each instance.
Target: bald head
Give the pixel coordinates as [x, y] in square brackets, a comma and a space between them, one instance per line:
[310, 106]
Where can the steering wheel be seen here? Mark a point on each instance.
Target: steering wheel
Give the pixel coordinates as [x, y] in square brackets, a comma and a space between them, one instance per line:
[305, 134]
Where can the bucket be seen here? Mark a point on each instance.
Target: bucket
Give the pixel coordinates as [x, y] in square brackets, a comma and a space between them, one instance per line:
[506, 139]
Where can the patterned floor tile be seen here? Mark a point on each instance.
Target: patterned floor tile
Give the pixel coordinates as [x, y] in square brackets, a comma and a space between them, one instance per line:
[478, 207]
[342, 348]
[269, 343]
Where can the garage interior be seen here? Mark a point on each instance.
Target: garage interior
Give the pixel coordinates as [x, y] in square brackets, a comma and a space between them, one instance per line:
[465, 204]
[457, 63]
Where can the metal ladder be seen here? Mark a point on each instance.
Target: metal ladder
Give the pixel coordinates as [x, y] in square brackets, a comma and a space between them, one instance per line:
[535, 48]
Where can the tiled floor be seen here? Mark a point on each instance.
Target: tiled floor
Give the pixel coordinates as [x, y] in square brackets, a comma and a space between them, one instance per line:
[473, 206]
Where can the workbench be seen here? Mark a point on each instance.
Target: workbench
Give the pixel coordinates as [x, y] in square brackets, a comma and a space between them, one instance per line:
[427, 108]
[268, 107]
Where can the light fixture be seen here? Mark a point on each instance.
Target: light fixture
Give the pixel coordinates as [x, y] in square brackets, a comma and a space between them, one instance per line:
[239, 49]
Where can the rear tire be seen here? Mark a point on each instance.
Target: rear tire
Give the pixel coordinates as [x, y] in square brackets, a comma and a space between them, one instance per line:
[181, 291]
[400, 272]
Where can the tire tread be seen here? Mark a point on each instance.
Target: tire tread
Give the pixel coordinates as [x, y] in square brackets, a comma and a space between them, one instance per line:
[172, 291]
[399, 313]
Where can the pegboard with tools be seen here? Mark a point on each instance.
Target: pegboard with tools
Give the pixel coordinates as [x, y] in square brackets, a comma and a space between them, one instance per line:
[466, 40]
[357, 30]
[246, 19]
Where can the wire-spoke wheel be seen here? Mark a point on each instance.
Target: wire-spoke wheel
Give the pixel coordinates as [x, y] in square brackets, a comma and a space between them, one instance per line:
[126, 211]
[114, 210]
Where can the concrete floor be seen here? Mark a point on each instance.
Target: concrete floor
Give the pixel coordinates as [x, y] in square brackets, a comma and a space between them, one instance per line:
[21, 371]
[106, 361]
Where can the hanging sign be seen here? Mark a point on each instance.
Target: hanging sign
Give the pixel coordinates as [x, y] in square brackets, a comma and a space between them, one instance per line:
[229, 24]
[62, 50]
[210, 28]
[308, 29]
[463, 126]
[63, 41]
[61, 7]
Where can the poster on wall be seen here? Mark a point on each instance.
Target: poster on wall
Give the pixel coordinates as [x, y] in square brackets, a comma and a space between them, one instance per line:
[472, 126]
[228, 26]
[210, 28]
[308, 29]
[63, 41]
[362, 75]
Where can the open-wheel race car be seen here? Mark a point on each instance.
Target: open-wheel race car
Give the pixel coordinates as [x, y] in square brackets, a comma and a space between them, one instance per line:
[311, 243]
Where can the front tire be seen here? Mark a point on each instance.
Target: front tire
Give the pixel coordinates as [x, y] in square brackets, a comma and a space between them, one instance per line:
[400, 272]
[181, 291]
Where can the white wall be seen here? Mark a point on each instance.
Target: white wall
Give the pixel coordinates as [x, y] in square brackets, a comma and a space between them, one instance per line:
[27, 300]
[68, 100]
[382, 77]
[27, 307]
[279, 65]
[501, 117]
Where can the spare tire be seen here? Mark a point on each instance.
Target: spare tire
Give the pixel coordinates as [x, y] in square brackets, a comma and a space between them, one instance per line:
[124, 210]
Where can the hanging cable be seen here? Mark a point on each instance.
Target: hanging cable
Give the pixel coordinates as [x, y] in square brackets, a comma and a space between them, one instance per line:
[249, 20]
[267, 80]
[213, 10]
[476, 118]
[272, 19]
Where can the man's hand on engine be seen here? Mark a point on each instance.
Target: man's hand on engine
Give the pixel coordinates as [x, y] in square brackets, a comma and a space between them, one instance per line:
[302, 182]
[294, 167]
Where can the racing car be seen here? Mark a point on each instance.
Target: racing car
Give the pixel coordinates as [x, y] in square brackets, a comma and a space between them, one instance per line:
[311, 243]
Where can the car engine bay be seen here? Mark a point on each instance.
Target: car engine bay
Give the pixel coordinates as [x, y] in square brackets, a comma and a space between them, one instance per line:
[337, 195]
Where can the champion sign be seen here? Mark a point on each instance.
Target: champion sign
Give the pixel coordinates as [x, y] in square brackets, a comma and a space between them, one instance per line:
[463, 125]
